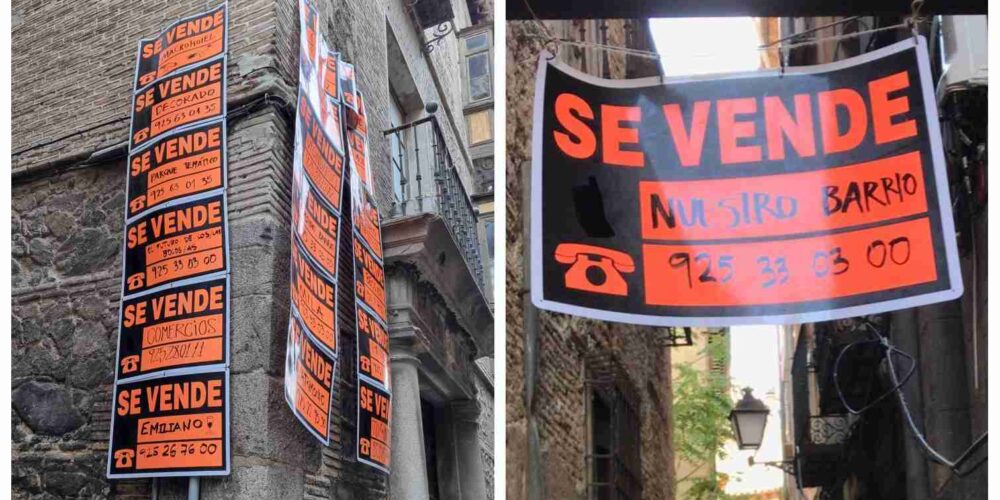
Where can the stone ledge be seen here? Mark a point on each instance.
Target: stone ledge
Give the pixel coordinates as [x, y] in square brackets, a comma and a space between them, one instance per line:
[425, 242]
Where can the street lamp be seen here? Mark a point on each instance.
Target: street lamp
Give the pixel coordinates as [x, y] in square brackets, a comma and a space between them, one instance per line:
[748, 419]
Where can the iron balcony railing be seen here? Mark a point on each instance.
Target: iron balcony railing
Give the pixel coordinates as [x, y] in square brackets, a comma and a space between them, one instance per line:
[425, 180]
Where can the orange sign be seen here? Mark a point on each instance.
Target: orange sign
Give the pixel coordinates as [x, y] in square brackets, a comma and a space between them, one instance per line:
[174, 328]
[373, 348]
[176, 242]
[194, 94]
[308, 381]
[186, 42]
[323, 164]
[369, 279]
[183, 164]
[170, 426]
[315, 225]
[763, 197]
[314, 299]
[374, 437]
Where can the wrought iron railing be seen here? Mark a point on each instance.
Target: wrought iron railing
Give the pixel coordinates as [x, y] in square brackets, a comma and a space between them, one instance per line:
[425, 180]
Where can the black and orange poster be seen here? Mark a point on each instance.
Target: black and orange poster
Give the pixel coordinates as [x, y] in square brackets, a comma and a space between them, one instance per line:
[175, 243]
[745, 198]
[317, 183]
[309, 381]
[188, 41]
[170, 412]
[171, 426]
[178, 165]
[174, 328]
[314, 299]
[374, 384]
[374, 435]
[194, 94]
[315, 225]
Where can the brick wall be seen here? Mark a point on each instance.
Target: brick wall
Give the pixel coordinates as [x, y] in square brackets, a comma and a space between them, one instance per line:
[564, 341]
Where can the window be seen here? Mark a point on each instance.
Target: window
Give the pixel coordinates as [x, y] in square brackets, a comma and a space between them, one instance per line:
[614, 459]
[480, 126]
[478, 71]
[397, 148]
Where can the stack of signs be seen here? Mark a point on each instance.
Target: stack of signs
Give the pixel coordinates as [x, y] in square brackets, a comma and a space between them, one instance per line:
[808, 195]
[170, 412]
[317, 183]
[327, 88]
[374, 388]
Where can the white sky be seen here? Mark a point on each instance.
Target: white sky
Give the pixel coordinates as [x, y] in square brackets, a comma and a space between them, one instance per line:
[755, 364]
[698, 45]
[692, 46]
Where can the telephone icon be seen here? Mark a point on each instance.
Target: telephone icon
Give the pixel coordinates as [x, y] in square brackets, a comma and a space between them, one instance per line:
[123, 459]
[136, 281]
[130, 364]
[595, 269]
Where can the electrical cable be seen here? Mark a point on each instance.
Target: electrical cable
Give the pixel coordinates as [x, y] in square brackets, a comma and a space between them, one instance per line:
[954, 465]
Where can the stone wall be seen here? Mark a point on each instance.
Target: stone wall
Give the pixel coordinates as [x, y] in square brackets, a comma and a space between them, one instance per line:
[564, 341]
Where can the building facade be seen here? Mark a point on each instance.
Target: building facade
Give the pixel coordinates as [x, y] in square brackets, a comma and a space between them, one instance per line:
[588, 402]
[427, 89]
[846, 442]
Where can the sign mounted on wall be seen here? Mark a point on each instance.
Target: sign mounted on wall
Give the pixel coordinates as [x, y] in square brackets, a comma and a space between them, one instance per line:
[309, 381]
[191, 95]
[183, 164]
[317, 190]
[174, 328]
[170, 412]
[372, 340]
[811, 195]
[188, 41]
[176, 242]
[171, 426]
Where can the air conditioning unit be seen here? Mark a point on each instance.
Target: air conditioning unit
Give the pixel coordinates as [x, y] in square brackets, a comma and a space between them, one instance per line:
[963, 53]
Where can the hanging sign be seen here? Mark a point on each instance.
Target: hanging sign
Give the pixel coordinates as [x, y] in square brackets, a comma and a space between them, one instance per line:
[746, 198]
[176, 242]
[314, 298]
[317, 183]
[188, 41]
[174, 328]
[183, 164]
[309, 381]
[194, 94]
[171, 426]
[315, 226]
[372, 344]
[373, 425]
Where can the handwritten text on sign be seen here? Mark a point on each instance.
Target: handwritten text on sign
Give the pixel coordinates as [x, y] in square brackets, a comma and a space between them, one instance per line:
[308, 381]
[170, 423]
[175, 166]
[751, 198]
[174, 328]
[192, 95]
[174, 243]
[188, 41]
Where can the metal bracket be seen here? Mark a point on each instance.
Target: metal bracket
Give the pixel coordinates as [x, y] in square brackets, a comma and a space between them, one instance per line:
[440, 31]
[788, 466]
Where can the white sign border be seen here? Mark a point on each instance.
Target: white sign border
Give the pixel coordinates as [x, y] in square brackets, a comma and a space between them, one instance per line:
[940, 177]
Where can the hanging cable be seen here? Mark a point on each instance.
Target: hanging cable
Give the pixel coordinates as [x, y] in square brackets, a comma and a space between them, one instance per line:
[956, 466]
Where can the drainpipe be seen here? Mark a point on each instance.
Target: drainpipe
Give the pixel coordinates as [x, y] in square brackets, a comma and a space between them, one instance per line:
[530, 327]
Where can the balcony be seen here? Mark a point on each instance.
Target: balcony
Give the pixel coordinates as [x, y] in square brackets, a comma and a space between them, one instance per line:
[820, 434]
[433, 226]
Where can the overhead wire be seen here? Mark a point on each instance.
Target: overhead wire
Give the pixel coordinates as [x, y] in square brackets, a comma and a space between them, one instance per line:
[956, 465]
